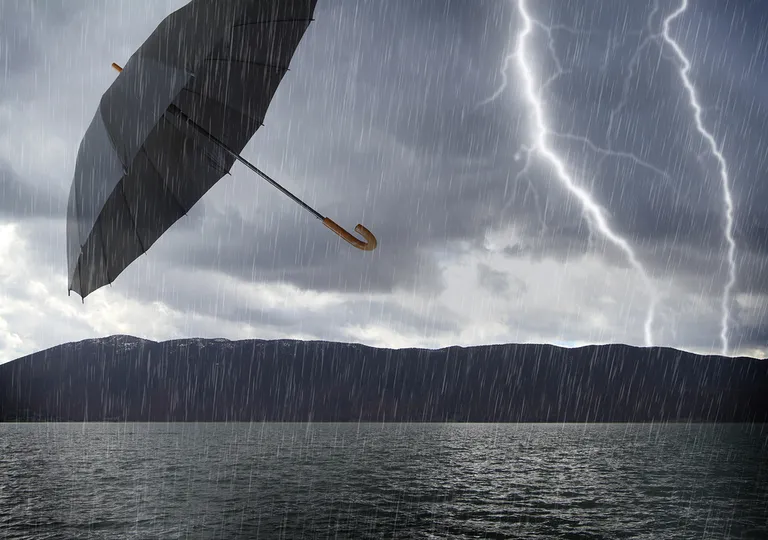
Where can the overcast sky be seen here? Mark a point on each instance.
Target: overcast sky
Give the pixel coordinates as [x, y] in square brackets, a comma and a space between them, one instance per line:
[384, 119]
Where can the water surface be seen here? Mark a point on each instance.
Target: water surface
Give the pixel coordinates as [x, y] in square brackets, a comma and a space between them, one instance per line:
[383, 481]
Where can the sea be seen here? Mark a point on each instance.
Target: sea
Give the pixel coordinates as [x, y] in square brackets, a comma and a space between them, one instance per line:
[359, 481]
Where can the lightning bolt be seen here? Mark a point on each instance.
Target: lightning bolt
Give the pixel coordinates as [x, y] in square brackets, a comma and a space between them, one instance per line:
[632, 67]
[724, 176]
[593, 212]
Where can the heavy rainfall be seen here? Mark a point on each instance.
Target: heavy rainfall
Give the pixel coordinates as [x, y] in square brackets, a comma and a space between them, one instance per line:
[366, 269]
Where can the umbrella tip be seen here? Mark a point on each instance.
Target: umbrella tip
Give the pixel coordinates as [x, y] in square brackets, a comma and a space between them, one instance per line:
[116, 67]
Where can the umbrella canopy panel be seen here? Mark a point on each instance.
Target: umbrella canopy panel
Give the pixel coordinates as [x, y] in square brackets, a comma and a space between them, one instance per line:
[140, 168]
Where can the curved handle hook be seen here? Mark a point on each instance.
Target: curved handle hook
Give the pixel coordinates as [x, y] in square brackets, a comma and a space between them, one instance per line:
[370, 240]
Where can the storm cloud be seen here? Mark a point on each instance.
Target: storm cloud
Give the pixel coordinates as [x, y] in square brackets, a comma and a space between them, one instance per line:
[20, 199]
[383, 120]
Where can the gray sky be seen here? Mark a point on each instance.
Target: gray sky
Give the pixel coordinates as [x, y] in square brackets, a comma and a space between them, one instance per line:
[383, 120]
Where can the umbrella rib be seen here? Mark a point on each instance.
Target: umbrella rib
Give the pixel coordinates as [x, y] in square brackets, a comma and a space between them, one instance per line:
[80, 275]
[173, 109]
[233, 60]
[272, 21]
[204, 96]
[104, 250]
[184, 210]
[133, 219]
[196, 142]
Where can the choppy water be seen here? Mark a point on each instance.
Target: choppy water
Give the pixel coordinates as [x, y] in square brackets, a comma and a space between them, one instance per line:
[382, 481]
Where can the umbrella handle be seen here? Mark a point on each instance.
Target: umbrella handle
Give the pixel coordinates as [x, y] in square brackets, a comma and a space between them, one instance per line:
[370, 240]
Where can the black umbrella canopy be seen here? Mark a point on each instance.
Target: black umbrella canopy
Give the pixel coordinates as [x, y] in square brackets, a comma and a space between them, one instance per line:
[211, 67]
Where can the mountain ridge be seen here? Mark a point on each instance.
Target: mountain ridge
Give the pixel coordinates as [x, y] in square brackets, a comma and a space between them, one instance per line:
[358, 344]
[127, 378]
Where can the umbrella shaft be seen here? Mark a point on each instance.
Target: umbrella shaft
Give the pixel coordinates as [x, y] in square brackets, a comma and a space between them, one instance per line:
[298, 201]
[178, 112]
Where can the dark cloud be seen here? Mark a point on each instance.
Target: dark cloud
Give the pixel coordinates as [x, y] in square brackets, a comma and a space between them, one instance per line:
[666, 197]
[349, 314]
[379, 122]
[330, 318]
[493, 281]
[755, 337]
[305, 254]
[751, 333]
[23, 24]
[20, 200]
[390, 133]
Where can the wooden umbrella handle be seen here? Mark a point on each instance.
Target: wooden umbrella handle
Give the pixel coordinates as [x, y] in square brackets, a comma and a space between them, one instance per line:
[369, 244]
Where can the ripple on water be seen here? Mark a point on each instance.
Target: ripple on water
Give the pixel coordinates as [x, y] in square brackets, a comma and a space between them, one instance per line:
[373, 481]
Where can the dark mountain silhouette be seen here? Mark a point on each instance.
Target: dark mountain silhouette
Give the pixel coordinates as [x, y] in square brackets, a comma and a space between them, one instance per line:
[130, 379]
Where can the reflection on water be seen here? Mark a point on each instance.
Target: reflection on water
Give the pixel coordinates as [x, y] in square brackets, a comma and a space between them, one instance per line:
[383, 480]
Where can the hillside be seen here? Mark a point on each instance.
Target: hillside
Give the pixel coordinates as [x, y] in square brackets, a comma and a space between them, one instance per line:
[129, 379]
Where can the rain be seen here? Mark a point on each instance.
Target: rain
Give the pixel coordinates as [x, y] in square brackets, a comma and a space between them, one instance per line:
[364, 269]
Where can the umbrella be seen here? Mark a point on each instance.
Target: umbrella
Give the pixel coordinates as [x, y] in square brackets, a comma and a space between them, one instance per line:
[173, 123]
